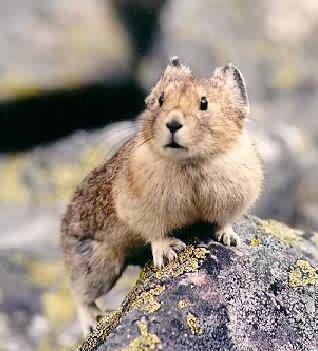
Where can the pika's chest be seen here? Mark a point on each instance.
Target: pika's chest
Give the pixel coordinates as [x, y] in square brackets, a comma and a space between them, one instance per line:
[171, 197]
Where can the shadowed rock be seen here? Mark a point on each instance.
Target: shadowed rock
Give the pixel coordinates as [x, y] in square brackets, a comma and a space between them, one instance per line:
[263, 296]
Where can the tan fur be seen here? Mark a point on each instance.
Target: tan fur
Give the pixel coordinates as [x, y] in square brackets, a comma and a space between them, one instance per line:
[147, 189]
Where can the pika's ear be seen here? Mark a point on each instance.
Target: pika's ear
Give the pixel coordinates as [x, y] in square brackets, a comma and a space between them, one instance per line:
[176, 70]
[232, 79]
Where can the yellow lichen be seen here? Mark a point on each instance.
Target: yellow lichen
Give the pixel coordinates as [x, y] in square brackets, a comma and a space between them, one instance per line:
[255, 241]
[146, 301]
[194, 324]
[12, 188]
[18, 86]
[145, 342]
[43, 273]
[315, 238]
[182, 303]
[280, 230]
[66, 176]
[44, 344]
[187, 261]
[99, 335]
[285, 77]
[58, 180]
[302, 274]
[58, 306]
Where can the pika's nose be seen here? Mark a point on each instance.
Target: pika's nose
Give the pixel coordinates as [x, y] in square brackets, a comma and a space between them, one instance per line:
[173, 126]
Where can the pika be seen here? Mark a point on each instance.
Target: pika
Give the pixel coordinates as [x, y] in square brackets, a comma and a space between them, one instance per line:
[190, 160]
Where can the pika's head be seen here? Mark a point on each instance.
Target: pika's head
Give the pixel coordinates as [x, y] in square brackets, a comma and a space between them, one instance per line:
[189, 118]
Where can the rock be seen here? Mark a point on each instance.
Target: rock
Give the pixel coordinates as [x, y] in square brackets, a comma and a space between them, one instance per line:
[36, 308]
[263, 296]
[283, 171]
[65, 43]
[244, 33]
[37, 185]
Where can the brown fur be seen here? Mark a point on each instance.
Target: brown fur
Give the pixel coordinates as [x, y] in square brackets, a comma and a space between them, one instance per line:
[147, 189]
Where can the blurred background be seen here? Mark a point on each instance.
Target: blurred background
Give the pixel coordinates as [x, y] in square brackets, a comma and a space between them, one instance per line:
[74, 75]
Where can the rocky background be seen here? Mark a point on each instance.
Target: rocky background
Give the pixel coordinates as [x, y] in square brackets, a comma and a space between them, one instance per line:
[71, 70]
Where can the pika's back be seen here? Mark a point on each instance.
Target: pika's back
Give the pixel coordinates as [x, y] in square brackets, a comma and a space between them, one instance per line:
[93, 200]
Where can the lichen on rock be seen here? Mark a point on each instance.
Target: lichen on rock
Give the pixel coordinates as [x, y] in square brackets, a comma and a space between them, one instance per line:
[104, 327]
[261, 296]
[194, 324]
[302, 274]
[145, 342]
[182, 303]
[255, 241]
[147, 300]
[187, 261]
[281, 230]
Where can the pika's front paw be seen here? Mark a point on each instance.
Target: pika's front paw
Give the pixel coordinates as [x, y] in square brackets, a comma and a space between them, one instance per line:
[228, 237]
[165, 249]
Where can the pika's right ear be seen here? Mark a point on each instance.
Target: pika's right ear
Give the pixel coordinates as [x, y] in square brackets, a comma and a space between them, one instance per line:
[232, 79]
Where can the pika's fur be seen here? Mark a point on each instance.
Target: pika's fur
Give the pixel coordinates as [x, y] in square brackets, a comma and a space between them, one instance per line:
[190, 160]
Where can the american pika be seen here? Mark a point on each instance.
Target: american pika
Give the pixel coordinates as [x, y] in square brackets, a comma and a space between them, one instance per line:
[190, 160]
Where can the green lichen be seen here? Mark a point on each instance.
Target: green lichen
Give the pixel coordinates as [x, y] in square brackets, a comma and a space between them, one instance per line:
[187, 261]
[280, 230]
[147, 301]
[302, 274]
[183, 303]
[145, 342]
[194, 324]
[99, 335]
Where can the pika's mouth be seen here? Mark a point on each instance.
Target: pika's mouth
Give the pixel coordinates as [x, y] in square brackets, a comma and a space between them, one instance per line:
[174, 145]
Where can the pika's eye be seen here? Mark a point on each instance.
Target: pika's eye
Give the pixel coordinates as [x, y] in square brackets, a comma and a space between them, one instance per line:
[204, 103]
[161, 98]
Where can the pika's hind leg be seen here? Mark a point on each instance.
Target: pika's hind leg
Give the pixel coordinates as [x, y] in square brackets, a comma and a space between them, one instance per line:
[94, 266]
[88, 316]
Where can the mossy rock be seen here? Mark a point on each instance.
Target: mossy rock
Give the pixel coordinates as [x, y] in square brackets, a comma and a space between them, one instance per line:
[263, 296]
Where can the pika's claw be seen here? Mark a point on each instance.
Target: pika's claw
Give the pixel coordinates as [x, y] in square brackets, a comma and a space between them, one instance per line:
[228, 237]
[166, 249]
[177, 245]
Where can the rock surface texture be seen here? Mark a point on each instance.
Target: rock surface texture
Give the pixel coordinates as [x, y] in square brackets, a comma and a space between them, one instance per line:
[36, 309]
[54, 44]
[263, 296]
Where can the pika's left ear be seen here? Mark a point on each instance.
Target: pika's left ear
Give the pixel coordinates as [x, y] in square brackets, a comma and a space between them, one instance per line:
[232, 79]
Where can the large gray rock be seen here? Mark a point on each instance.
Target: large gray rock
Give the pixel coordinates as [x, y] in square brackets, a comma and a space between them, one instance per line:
[63, 43]
[261, 297]
[267, 39]
[36, 309]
